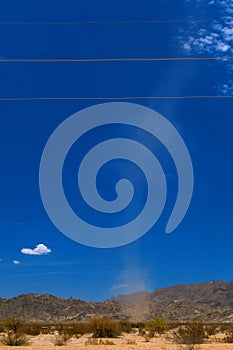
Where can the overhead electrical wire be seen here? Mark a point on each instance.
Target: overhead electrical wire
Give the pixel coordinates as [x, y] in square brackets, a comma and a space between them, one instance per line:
[188, 20]
[120, 59]
[135, 59]
[114, 98]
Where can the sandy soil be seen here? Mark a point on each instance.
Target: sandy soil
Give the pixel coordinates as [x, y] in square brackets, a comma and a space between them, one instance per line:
[45, 342]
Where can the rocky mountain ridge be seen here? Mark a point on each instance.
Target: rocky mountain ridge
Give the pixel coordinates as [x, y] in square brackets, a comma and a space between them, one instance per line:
[208, 301]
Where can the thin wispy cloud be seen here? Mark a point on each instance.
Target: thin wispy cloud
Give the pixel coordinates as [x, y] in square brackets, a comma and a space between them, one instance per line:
[40, 249]
[215, 39]
[119, 286]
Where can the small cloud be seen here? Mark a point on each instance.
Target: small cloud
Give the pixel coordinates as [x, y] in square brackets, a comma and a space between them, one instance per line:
[40, 249]
[222, 47]
[16, 262]
[226, 89]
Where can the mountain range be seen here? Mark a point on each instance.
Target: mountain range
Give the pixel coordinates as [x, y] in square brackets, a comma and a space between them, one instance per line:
[207, 301]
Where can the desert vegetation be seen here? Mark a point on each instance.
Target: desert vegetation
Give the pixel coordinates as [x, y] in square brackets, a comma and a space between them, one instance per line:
[14, 332]
[101, 331]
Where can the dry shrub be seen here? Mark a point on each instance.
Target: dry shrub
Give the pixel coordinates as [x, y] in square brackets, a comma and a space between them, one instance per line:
[1, 327]
[190, 334]
[107, 342]
[138, 324]
[14, 328]
[91, 341]
[125, 326]
[225, 327]
[211, 329]
[14, 339]
[141, 332]
[103, 327]
[61, 339]
[33, 328]
[229, 336]
[82, 328]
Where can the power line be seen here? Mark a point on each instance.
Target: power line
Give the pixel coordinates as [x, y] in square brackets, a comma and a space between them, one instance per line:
[114, 98]
[120, 59]
[189, 20]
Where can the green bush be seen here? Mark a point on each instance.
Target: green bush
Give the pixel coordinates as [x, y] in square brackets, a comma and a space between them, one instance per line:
[33, 328]
[82, 328]
[103, 327]
[157, 325]
[125, 326]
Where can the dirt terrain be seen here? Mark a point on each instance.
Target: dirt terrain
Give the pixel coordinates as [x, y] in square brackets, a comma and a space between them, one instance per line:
[128, 342]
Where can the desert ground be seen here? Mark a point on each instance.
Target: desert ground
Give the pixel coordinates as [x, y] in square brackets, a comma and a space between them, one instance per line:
[127, 341]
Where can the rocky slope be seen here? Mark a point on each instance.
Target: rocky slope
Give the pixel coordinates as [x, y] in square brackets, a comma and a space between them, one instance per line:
[47, 307]
[210, 301]
[214, 293]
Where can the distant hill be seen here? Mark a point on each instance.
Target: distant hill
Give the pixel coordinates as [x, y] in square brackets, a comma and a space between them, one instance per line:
[209, 301]
[214, 293]
[46, 307]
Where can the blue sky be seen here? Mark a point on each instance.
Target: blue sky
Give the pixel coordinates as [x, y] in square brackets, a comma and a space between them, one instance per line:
[200, 249]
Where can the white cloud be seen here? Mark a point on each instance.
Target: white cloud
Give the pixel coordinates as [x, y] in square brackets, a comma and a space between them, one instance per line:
[16, 262]
[217, 42]
[214, 39]
[226, 88]
[40, 249]
[225, 6]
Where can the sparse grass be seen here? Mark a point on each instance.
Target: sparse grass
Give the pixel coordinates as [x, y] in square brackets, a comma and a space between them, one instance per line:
[94, 341]
[190, 347]
[147, 338]
[131, 342]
